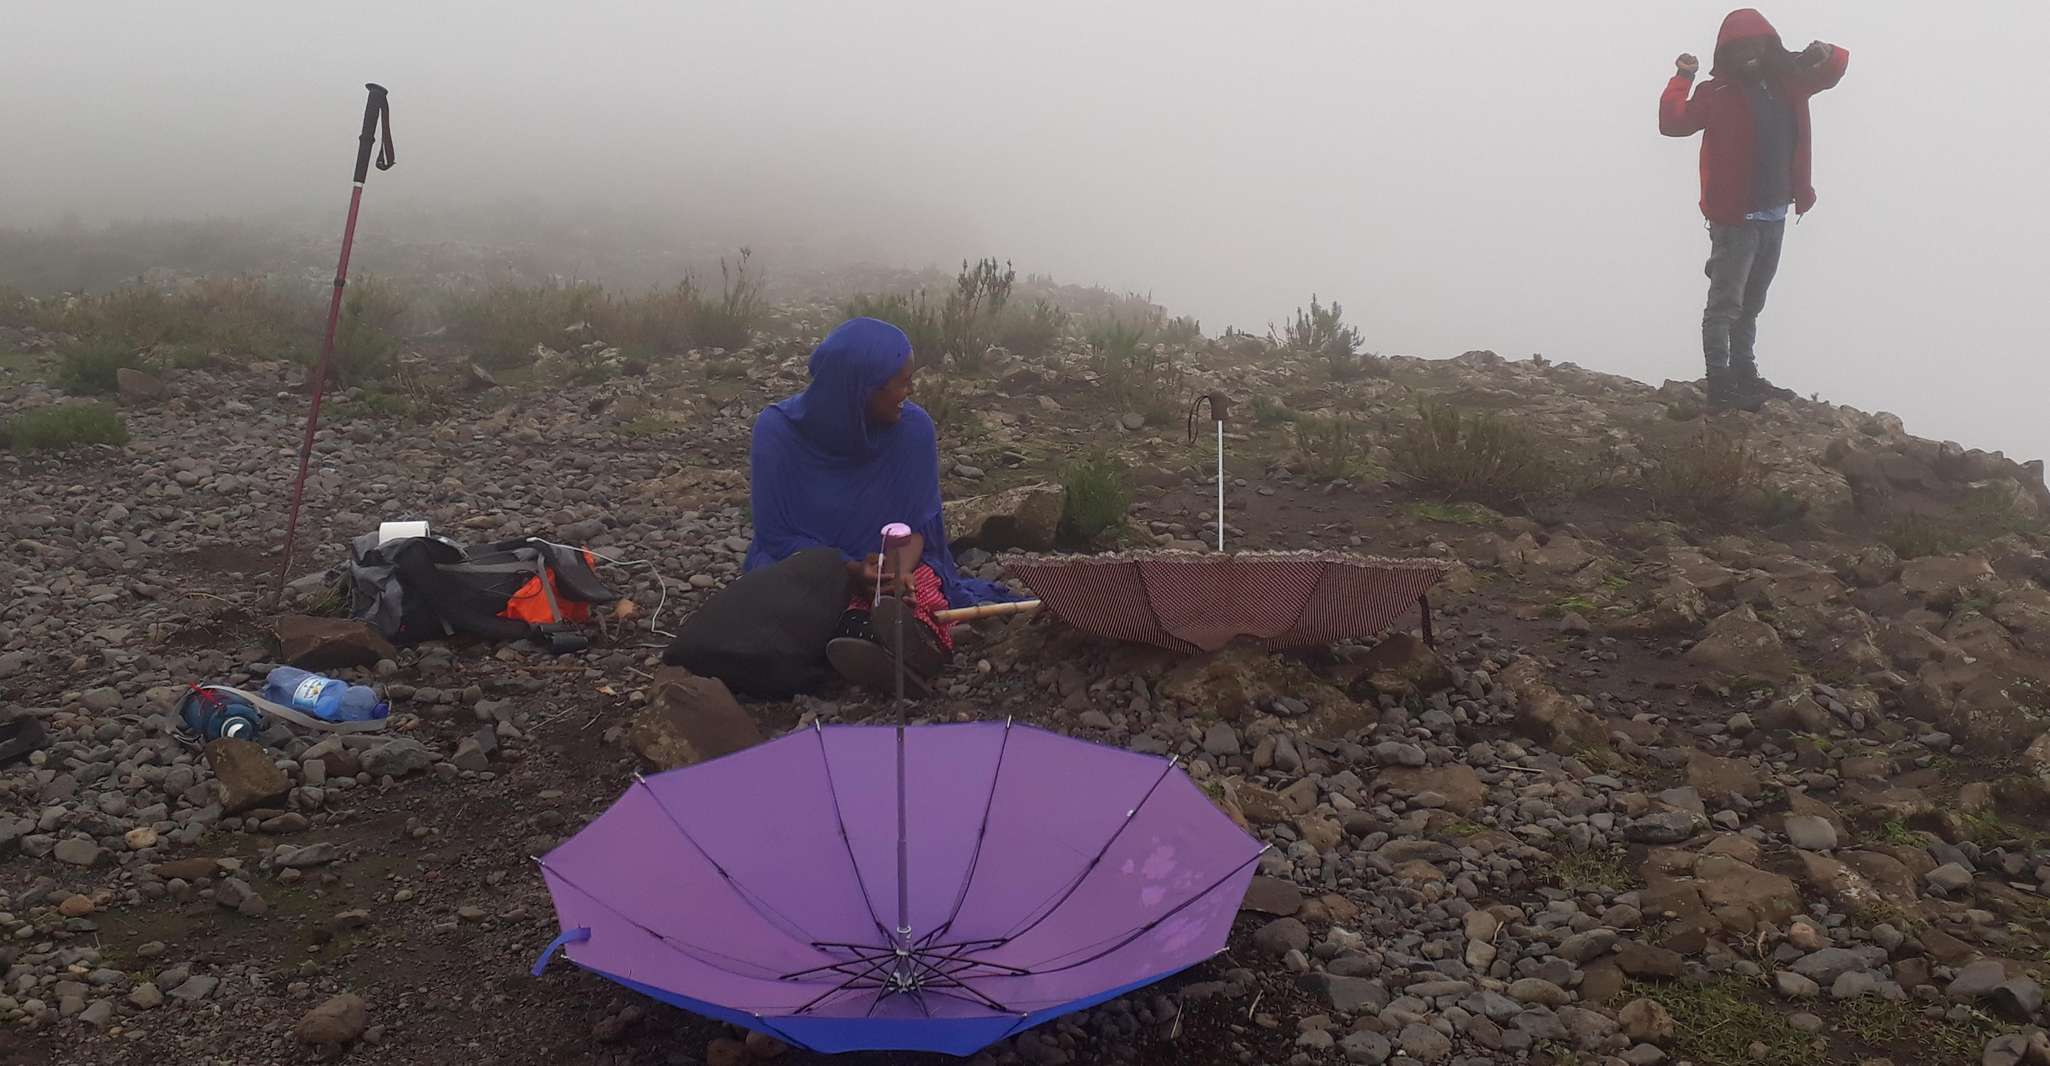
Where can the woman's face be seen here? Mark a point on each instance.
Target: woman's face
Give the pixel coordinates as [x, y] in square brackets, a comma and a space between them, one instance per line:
[886, 406]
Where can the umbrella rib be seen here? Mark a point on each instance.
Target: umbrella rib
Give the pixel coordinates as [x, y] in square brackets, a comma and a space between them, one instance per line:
[768, 913]
[833, 791]
[1100, 853]
[690, 951]
[1035, 971]
[853, 981]
[981, 834]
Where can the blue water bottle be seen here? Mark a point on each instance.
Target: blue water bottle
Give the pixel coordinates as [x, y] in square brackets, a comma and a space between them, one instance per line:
[304, 690]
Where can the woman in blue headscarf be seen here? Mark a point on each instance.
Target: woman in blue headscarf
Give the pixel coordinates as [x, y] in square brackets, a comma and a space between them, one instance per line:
[831, 466]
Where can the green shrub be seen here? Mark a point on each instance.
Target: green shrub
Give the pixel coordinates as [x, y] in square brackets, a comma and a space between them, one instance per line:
[61, 426]
[968, 320]
[1332, 446]
[729, 319]
[1139, 376]
[913, 314]
[1268, 411]
[1097, 497]
[1480, 457]
[1712, 473]
[367, 336]
[1033, 330]
[1181, 331]
[1987, 512]
[91, 369]
[1322, 334]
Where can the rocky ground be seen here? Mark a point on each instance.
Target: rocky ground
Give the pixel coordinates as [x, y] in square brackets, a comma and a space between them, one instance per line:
[1701, 790]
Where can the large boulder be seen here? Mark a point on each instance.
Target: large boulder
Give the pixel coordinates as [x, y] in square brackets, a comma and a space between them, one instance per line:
[337, 1022]
[1740, 644]
[312, 643]
[136, 386]
[688, 720]
[1938, 580]
[1456, 783]
[1549, 716]
[1020, 519]
[1399, 666]
[245, 778]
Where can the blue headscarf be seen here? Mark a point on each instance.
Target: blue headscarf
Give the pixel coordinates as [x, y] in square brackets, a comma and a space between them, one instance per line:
[823, 475]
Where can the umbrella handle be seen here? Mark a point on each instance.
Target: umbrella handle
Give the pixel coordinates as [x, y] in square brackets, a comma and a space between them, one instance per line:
[569, 936]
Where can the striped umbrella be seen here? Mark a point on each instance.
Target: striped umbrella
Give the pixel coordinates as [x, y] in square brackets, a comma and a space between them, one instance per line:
[1198, 602]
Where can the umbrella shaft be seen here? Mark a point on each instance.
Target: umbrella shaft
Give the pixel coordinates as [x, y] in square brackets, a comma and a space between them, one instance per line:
[1220, 484]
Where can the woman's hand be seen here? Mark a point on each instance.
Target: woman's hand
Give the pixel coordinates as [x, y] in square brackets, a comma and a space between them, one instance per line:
[867, 573]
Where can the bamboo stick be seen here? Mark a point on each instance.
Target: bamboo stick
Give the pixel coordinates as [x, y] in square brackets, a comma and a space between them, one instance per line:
[987, 610]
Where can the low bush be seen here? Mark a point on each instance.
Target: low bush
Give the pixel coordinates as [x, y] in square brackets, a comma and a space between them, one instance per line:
[1098, 496]
[1332, 446]
[913, 314]
[61, 426]
[504, 324]
[368, 335]
[1479, 456]
[92, 368]
[1713, 473]
[729, 319]
[968, 321]
[1322, 334]
[1034, 330]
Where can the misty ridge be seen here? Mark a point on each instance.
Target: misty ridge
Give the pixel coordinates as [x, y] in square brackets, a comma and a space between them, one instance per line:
[1459, 176]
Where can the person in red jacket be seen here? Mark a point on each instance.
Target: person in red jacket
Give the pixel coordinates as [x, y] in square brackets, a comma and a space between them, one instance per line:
[1752, 115]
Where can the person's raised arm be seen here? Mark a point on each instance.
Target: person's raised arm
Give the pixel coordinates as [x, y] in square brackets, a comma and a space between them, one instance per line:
[1679, 114]
[1821, 65]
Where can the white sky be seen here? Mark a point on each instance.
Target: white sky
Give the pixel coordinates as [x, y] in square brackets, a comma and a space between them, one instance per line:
[1459, 174]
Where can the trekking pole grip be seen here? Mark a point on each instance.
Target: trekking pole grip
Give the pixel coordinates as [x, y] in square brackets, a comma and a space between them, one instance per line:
[376, 110]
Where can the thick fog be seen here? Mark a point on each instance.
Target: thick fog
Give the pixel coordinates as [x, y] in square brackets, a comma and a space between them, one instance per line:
[1458, 175]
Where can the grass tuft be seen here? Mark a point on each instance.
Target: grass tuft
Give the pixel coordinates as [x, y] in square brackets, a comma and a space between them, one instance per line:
[61, 426]
[1726, 1019]
[1606, 868]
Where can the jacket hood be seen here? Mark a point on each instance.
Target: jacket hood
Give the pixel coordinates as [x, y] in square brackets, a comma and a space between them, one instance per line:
[1743, 24]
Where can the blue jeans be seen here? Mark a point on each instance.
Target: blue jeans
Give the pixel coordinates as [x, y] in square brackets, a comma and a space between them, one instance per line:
[1742, 260]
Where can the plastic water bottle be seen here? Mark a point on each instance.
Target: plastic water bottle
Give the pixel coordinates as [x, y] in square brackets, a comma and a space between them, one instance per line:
[323, 697]
[360, 704]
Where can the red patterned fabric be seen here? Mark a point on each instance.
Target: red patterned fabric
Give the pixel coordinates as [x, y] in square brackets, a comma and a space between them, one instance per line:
[927, 598]
[1193, 603]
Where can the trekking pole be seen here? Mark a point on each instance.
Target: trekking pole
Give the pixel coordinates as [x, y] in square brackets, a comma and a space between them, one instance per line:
[376, 116]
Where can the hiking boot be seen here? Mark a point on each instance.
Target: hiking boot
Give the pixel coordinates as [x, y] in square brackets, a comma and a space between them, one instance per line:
[1722, 390]
[1759, 391]
[871, 666]
[921, 648]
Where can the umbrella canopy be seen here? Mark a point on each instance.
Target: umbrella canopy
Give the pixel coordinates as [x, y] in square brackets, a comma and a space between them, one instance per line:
[1046, 875]
[1192, 603]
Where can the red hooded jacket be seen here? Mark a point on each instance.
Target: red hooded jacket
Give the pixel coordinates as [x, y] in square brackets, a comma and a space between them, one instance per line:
[1720, 112]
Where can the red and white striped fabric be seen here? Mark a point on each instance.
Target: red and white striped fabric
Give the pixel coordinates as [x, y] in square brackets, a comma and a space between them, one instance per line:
[928, 598]
[1192, 603]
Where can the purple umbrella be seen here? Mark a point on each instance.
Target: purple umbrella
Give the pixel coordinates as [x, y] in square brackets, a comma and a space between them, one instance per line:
[930, 888]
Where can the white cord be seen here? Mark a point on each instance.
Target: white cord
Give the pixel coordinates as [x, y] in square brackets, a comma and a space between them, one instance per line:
[659, 583]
